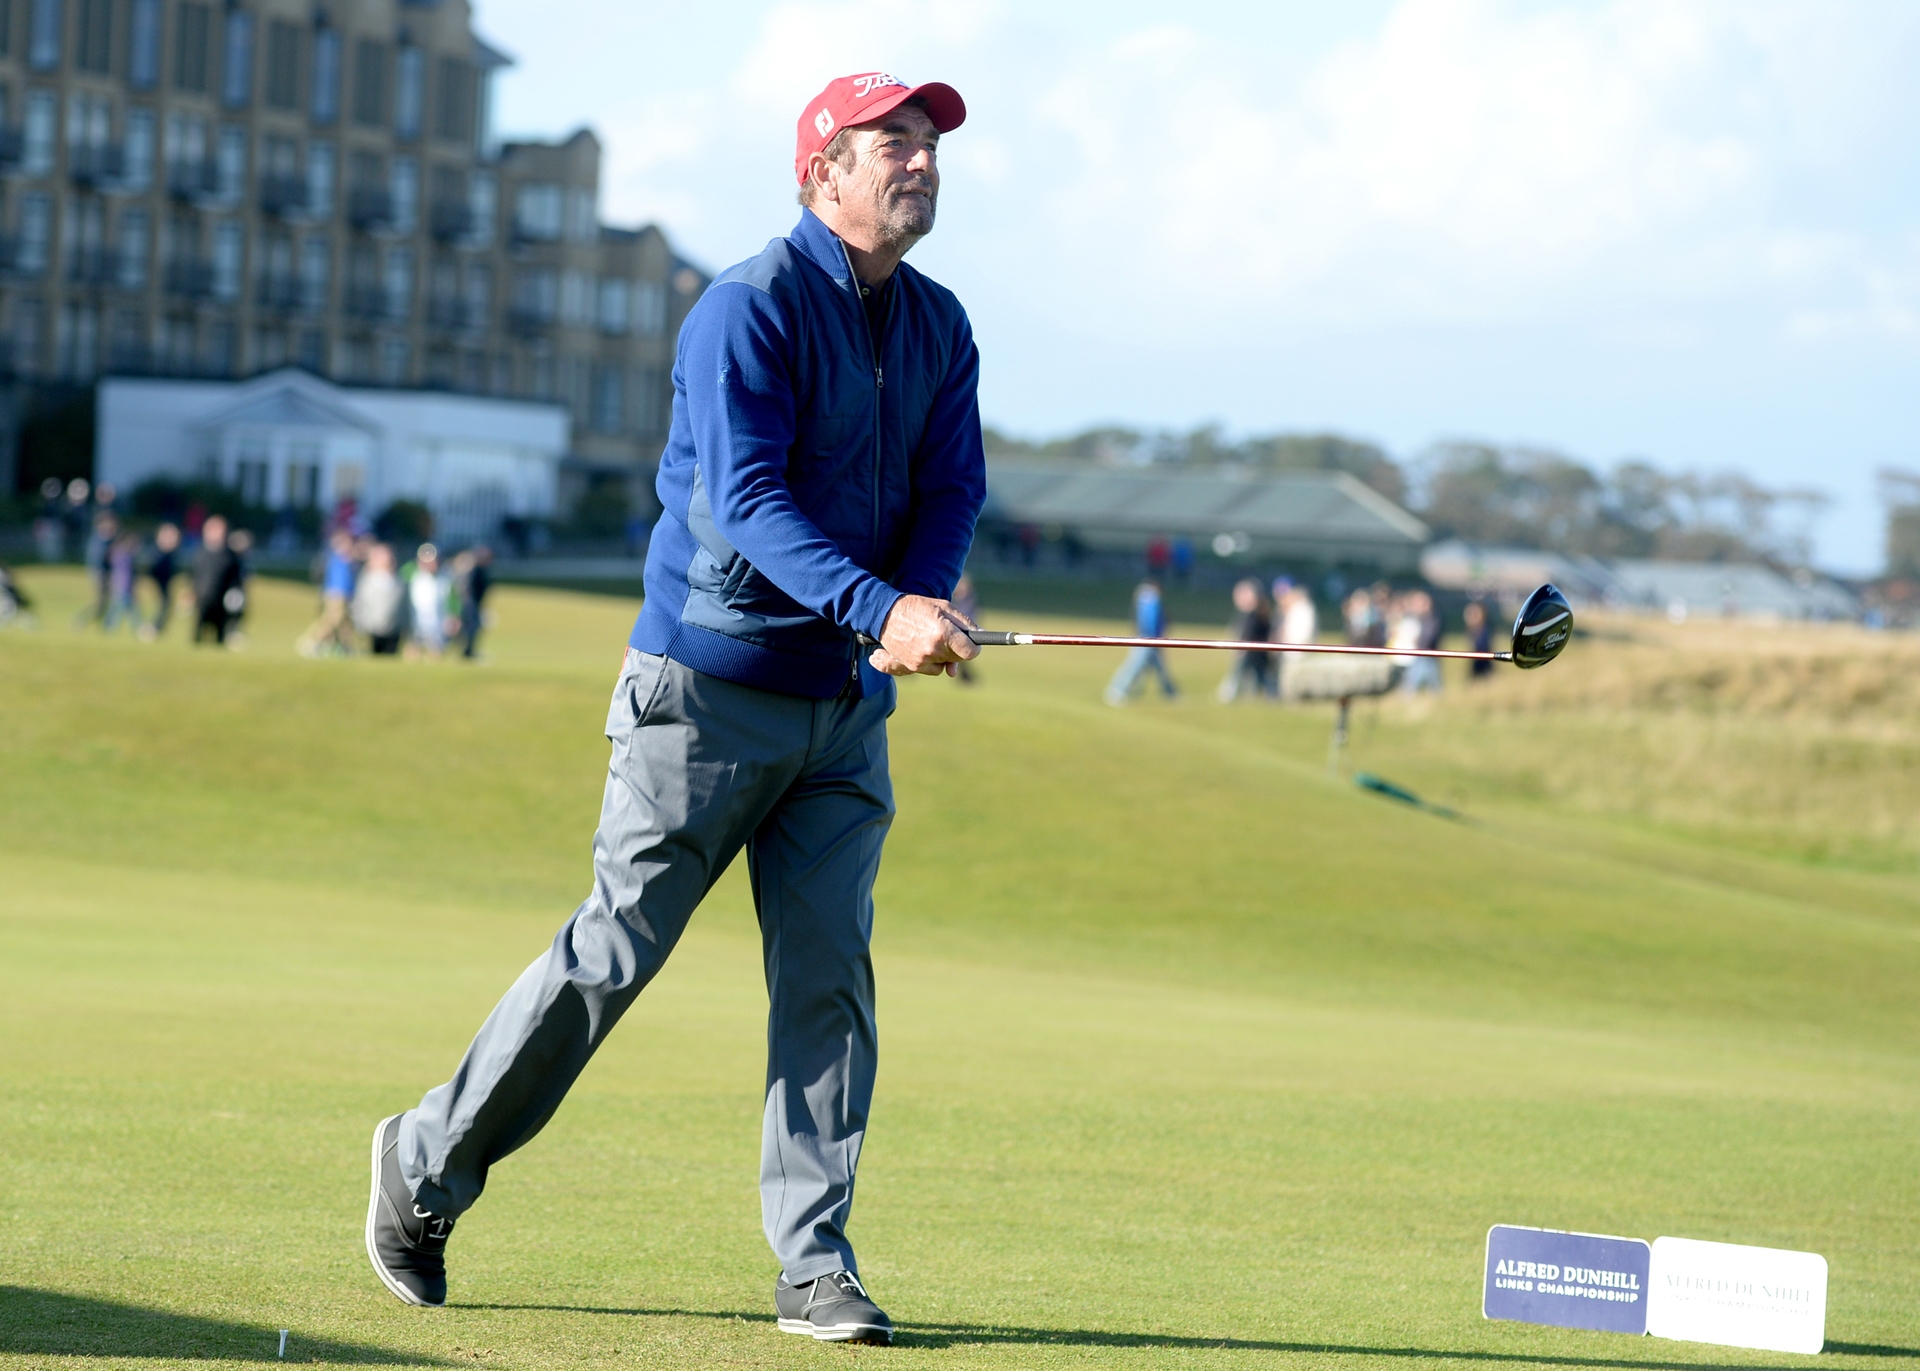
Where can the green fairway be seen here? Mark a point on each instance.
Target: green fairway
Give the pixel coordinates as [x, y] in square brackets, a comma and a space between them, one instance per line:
[1191, 1054]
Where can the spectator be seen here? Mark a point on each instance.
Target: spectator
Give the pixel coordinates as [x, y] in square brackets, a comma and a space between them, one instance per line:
[968, 604]
[1159, 558]
[216, 570]
[1415, 625]
[1359, 615]
[1250, 672]
[377, 602]
[1183, 559]
[1295, 620]
[235, 601]
[161, 571]
[1479, 639]
[1149, 621]
[121, 576]
[427, 602]
[100, 540]
[473, 583]
[14, 604]
[331, 635]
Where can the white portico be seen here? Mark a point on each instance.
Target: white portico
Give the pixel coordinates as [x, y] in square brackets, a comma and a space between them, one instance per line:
[289, 439]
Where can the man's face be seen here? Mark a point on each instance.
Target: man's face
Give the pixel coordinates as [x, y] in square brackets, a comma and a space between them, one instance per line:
[893, 187]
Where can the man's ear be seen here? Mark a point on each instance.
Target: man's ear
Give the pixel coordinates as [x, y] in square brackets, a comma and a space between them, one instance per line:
[820, 171]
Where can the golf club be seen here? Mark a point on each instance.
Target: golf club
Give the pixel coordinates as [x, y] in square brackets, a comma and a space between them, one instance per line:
[1540, 631]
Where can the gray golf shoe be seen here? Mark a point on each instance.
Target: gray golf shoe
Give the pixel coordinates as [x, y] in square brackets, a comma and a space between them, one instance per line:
[835, 1308]
[406, 1244]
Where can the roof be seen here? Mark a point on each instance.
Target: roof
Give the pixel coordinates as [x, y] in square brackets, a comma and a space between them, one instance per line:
[1326, 514]
[1729, 588]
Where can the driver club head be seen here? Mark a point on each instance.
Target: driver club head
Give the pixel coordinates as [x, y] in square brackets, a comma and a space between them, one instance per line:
[1542, 628]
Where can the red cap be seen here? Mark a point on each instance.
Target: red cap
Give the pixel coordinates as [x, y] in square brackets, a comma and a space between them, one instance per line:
[862, 99]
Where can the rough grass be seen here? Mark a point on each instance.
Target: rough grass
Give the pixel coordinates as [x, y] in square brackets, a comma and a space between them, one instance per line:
[1192, 1055]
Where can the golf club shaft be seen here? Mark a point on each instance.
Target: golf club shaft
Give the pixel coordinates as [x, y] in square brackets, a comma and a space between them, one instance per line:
[987, 638]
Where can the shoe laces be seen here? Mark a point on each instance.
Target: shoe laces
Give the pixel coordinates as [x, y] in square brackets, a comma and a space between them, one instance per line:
[847, 1281]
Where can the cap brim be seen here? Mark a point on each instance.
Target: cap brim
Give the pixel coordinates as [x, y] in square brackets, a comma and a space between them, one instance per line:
[942, 102]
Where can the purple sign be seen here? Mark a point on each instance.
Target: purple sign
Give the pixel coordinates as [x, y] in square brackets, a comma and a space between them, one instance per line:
[1569, 1280]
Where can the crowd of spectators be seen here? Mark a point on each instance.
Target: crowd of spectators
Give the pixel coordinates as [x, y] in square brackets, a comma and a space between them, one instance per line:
[198, 563]
[370, 601]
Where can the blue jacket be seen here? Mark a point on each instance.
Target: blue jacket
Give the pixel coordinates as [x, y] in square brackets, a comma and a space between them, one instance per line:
[812, 476]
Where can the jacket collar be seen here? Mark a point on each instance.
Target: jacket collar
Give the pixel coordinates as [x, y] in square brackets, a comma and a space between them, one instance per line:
[821, 246]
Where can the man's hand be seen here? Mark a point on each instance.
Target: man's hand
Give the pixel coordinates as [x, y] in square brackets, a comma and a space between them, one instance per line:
[923, 636]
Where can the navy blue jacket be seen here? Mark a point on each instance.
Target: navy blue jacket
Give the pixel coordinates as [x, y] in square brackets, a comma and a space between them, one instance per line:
[814, 473]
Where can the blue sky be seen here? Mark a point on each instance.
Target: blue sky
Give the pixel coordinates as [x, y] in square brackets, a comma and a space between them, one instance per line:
[1685, 230]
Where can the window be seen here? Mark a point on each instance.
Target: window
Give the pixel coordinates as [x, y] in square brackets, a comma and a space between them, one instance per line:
[6, 27]
[77, 341]
[89, 122]
[220, 349]
[44, 20]
[369, 83]
[129, 267]
[479, 292]
[233, 161]
[36, 150]
[186, 148]
[310, 350]
[143, 44]
[316, 265]
[93, 46]
[409, 95]
[613, 305]
[27, 318]
[483, 197]
[535, 294]
[192, 27]
[576, 297]
[320, 180]
[399, 282]
[404, 185]
[453, 101]
[649, 308]
[606, 399]
[649, 399]
[226, 260]
[536, 212]
[136, 171]
[583, 225]
[326, 76]
[396, 362]
[36, 234]
[283, 65]
[236, 71]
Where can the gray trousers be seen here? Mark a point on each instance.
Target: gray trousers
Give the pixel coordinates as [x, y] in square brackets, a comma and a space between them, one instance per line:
[701, 768]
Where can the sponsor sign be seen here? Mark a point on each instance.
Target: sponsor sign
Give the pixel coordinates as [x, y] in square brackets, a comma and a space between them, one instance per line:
[1569, 1280]
[1718, 1292]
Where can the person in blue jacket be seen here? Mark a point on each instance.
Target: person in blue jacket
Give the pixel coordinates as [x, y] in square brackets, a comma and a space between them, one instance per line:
[820, 485]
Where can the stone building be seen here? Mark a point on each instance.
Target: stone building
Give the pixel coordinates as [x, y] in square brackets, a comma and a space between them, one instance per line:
[218, 190]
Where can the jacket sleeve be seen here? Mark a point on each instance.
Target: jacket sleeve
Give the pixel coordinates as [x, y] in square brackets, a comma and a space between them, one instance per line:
[744, 416]
[949, 480]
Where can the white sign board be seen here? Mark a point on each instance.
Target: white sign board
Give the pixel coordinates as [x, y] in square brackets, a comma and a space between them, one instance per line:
[1735, 1296]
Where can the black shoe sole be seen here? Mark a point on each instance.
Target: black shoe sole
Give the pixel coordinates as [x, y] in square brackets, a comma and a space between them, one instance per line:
[387, 1278]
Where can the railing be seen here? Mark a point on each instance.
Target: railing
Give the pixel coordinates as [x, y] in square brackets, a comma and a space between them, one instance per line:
[90, 166]
[193, 180]
[524, 320]
[451, 220]
[281, 196]
[277, 293]
[193, 280]
[453, 315]
[369, 208]
[363, 301]
[91, 267]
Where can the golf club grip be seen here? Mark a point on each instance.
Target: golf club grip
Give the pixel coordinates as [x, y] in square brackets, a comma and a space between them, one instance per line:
[989, 638]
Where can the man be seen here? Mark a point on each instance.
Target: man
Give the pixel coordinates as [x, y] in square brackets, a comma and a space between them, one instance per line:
[1250, 672]
[821, 479]
[1149, 621]
[332, 633]
[216, 571]
[166, 543]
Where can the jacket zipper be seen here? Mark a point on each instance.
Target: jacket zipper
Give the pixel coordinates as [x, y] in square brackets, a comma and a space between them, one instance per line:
[879, 383]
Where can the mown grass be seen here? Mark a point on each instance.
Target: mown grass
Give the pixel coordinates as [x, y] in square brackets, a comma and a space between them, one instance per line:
[1192, 1054]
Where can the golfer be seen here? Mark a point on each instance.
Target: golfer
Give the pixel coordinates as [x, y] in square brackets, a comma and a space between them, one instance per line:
[821, 480]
